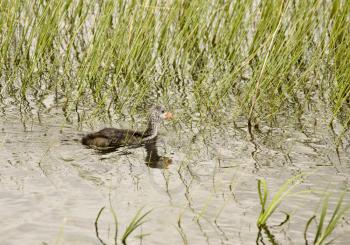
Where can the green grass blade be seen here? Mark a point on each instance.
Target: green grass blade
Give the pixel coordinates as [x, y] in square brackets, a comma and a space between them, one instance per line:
[137, 221]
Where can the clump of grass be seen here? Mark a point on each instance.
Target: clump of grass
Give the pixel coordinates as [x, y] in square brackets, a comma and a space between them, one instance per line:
[268, 209]
[135, 223]
[324, 231]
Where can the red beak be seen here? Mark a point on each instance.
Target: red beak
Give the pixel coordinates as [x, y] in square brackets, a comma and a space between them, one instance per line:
[168, 115]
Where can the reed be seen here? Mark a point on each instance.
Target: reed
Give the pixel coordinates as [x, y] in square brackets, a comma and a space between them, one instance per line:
[263, 57]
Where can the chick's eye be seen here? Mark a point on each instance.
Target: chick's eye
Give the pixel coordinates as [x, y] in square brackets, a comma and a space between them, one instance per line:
[163, 111]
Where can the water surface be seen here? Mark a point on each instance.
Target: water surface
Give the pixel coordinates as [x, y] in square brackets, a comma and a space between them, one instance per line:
[200, 181]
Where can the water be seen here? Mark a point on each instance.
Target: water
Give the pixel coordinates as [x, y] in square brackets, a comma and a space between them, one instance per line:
[201, 183]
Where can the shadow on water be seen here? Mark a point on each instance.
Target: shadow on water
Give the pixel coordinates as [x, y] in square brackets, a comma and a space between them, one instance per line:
[270, 236]
[152, 159]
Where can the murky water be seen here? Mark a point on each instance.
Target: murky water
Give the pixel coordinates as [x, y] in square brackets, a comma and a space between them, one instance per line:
[200, 182]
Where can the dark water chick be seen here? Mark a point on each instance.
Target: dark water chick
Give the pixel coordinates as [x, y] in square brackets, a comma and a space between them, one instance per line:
[112, 137]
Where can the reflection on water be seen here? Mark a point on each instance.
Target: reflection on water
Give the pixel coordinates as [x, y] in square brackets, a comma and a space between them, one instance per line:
[200, 182]
[152, 159]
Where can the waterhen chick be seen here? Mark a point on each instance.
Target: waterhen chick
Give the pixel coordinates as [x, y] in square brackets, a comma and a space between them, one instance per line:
[112, 137]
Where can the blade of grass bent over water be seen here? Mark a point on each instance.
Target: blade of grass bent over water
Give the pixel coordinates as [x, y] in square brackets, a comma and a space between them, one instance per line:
[284, 190]
[137, 221]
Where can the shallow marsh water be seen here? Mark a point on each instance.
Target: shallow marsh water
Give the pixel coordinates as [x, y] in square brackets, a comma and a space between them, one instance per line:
[202, 184]
[52, 187]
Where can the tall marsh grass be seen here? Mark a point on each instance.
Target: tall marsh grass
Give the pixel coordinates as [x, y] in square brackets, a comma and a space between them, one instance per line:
[260, 57]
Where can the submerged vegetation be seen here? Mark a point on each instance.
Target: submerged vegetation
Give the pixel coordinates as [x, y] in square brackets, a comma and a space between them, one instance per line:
[259, 57]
